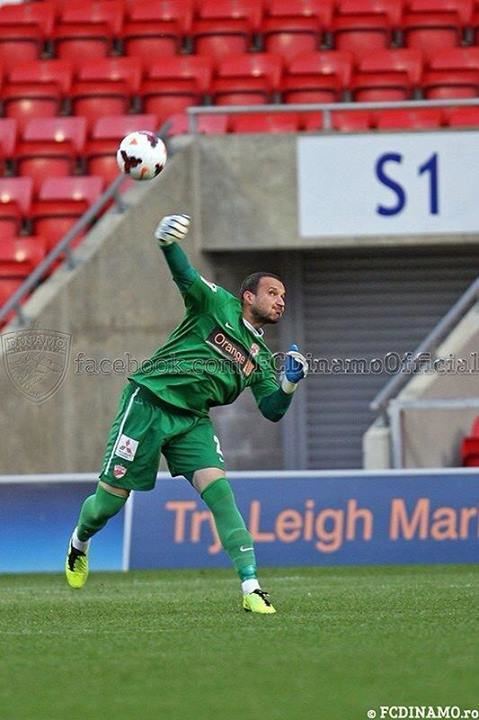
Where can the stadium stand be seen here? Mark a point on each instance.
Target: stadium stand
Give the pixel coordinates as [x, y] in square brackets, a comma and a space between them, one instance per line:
[68, 68]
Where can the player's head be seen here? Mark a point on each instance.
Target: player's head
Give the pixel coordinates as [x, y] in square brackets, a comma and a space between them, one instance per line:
[262, 296]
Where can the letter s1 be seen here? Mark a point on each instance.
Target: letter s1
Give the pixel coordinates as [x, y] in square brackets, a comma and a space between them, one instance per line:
[391, 184]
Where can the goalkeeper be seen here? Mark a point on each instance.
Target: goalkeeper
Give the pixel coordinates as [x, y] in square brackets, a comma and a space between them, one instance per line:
[215, 353]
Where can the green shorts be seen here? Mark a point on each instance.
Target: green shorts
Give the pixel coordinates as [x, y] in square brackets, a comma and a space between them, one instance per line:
[143, 429]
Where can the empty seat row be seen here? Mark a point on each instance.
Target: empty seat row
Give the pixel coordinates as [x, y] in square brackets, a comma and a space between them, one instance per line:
[61, 146]
[117, 86]
[51, 211]
[215, 28]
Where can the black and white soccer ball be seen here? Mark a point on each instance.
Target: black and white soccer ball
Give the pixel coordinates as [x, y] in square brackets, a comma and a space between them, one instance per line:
[141, 155]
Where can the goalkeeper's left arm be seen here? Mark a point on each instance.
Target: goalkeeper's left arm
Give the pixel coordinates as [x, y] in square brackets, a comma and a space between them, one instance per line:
[275, 405]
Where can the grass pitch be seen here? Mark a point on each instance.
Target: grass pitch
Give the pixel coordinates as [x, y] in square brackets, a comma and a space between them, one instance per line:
[175, 645]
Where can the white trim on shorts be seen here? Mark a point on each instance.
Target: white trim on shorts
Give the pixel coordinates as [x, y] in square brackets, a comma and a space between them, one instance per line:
[120, 431]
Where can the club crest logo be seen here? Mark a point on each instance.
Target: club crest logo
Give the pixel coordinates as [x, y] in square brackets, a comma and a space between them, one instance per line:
[36, 361]
[119, 471]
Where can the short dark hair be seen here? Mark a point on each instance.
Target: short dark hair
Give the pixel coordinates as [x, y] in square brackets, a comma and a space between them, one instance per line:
[252, 281]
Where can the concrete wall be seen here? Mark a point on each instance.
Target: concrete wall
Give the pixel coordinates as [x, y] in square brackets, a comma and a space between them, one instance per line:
[253, 179]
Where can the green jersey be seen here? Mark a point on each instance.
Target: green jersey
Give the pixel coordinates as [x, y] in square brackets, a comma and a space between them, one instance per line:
[212, 356]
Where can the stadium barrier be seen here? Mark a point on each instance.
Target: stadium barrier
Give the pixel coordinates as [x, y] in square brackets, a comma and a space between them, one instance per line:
[297, 518]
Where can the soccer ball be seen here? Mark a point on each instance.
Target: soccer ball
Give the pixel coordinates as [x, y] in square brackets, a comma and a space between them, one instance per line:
[141, 155]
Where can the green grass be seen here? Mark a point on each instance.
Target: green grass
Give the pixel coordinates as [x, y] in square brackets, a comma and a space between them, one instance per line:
[175, 645]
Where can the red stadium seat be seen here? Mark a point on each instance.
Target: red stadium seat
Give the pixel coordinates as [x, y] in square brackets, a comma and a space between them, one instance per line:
[28, 15]
[403, 61]
[387, 75]
[8, 141]
[475, 427]
[61, 202]
[19, 256]
[23, 31]
[453, 72]
[94, 12]
[463, 9]
[250, 10]
[434, 25]
[50, 147]
[463, 117]
[365, 26]
[415, 119]
[390, 9]
[265, 123]
[383, 87]
[470, 452]
[58, 72]
[341, 120]
[248, 79]
[7, 287]
[106, 86]
[101, 150]
[295, 26]
[317, 77]
[224, 27]
[174, 83]
[206, 124]
[15, 203]
[87, 29]
[75, 189]
[36, 89]
[155, 28]
[322, 9]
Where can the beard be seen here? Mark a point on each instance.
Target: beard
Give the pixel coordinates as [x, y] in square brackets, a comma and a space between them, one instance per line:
[262, 319]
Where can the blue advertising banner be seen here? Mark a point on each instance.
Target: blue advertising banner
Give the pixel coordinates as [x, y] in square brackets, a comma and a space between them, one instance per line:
[36, 521]
[316, 519]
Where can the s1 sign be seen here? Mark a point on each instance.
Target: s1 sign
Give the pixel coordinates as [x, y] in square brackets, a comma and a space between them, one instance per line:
[388, 184]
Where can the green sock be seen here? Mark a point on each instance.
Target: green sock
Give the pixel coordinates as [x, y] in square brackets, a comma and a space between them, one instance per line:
[234, 536]
[96, 511]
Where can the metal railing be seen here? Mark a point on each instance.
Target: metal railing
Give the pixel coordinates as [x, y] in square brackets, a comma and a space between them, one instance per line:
[428, 345]
[64, 247]
[326, 108]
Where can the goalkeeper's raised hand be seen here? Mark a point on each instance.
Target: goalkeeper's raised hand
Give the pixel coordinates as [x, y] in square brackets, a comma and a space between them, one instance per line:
[295, 369]
[172, 228]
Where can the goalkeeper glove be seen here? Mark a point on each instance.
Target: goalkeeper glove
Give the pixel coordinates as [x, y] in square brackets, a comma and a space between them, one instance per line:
[295, 369]
[172, 228]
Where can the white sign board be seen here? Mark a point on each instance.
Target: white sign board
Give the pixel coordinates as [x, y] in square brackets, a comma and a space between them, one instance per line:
[388, 184]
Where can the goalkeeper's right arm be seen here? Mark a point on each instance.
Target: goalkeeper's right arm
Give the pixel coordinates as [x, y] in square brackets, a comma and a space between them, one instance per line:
[170, 230]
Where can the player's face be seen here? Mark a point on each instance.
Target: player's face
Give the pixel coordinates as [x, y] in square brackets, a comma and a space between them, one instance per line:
[268, 303]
